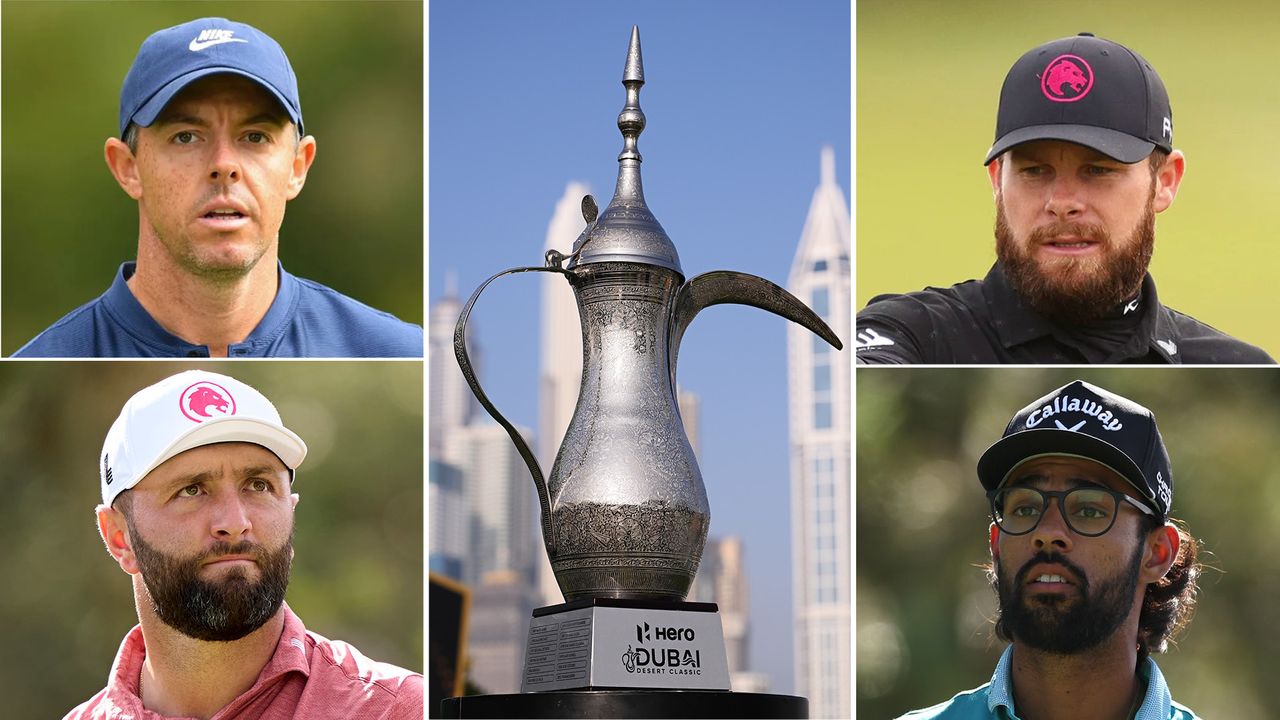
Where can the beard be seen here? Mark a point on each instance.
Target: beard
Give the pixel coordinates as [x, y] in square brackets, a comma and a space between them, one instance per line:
[1052, 623]
[219, 610]
[1071, 290]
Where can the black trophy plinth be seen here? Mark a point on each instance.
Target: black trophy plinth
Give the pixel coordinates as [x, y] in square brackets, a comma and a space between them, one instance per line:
[627, 704]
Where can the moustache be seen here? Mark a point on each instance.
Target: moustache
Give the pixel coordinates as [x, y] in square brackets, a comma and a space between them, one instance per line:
[1085, 231]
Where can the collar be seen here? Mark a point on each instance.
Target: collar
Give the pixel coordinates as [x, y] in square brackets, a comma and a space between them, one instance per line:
[1016, 323]
[133, 319]
[1157, 704]
[292, 654]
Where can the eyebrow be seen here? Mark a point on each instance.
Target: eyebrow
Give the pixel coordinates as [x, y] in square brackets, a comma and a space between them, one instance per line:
[1039, 479]
[244, 473]
[263, 118]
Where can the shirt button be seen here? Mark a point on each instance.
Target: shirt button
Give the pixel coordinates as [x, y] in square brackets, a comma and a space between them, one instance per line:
[193, 353]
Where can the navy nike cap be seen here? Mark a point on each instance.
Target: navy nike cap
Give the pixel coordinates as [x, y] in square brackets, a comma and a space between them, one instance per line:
[173, 58]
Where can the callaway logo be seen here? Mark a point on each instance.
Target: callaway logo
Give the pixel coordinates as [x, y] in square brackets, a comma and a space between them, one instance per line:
[204, 400]
[1064, 404]
[1168, 346]
[866, 339]
[209, 38]
[1066, 78]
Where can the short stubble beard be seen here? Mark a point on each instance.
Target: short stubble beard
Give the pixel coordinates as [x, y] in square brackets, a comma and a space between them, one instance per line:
[1060, 623]
[1073, 291]
[219, 610]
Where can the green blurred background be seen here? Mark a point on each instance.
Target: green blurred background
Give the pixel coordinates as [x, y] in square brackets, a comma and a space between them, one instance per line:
[928, 81]
[358, 570]
[357, 226]
[923, 605]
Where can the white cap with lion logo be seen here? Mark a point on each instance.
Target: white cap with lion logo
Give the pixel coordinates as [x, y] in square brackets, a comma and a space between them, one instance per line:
[185, 411]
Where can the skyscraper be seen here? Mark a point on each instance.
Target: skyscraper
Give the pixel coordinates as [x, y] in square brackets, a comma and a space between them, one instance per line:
[450, 402]
[819, 379]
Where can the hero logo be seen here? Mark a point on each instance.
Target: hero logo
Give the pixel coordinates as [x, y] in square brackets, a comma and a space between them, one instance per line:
[663, 633]
[1067, 78]
[1064, 404]
[662, 661]
[205, 400]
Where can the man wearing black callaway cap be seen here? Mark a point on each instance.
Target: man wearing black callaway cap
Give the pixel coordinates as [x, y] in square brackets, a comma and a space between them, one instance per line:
[1083, 160]
[1091, 574]
[212, 147]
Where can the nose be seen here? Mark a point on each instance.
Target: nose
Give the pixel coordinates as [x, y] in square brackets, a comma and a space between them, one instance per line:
[1052, 532]
[230, 521]
[1064, 200]
[224, 166]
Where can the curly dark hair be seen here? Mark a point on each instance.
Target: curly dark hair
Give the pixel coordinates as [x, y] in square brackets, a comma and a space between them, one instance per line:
[1167, 605]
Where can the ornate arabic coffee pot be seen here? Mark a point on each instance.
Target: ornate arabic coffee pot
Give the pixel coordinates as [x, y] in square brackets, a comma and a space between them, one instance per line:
[624, 512]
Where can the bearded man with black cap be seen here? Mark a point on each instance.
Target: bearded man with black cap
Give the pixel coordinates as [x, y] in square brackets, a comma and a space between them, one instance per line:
[1092, 575]
[1083, 160]
[197, 508]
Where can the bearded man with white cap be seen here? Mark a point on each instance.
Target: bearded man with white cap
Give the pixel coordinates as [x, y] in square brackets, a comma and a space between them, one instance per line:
[197, 508]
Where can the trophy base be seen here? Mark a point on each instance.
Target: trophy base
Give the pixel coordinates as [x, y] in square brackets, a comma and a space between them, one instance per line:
[597, 643]
[627, 704]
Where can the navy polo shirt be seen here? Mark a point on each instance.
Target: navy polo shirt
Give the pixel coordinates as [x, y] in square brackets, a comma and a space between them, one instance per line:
[306, 319]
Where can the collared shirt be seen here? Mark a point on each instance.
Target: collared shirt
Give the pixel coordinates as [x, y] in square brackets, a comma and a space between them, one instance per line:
[307, 677]
[994, 700]
[306, 319]
[987, 322]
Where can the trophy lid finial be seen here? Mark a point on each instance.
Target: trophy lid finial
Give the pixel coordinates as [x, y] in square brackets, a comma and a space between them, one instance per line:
[626, 230]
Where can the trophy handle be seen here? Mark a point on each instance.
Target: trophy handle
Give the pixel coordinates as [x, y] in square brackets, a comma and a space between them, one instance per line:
[464, 362]
[727, 286]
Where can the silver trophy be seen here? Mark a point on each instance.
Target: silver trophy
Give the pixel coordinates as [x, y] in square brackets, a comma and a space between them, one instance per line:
[624, 512]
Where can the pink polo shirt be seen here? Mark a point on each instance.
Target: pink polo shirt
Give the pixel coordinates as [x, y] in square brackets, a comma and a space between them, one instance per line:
[307, 677]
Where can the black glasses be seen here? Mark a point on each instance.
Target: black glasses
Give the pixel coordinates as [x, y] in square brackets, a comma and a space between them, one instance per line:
[1088, 510]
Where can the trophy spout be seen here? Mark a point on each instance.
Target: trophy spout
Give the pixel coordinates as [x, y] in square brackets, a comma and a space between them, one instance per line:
[726, 286]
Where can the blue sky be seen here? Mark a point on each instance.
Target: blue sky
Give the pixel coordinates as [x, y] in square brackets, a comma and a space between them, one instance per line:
[740, 97]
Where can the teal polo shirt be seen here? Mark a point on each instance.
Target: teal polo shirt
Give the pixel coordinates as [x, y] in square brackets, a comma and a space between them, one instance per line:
[995, 699]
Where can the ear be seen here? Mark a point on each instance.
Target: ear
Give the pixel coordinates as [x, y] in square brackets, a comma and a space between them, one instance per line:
[994, 541]
[1162, 549]
[123, 166]
[302, 159]
[993, 171]
[1168, 178]
[115, 534]
[294, 498]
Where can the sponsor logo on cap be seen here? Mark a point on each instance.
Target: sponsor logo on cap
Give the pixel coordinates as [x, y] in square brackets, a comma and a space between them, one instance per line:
[205, 400]
[106, 468]
[209, 38]
[1067, 78]
[1163, 489]
[1066, 404]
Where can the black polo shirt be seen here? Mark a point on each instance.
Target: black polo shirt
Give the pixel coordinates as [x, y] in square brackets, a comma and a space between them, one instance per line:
[986, 322]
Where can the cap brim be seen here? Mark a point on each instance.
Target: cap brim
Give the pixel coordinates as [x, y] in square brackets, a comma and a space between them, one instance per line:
[150, 110]
[1112, 143]
[1008, 453]
[283, 442]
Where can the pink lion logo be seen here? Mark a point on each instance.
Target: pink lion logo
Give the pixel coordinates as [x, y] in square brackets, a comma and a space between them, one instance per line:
[201, 401]
[1066, 78]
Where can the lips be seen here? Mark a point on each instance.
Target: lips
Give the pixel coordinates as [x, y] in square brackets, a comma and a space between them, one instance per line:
[221, 559]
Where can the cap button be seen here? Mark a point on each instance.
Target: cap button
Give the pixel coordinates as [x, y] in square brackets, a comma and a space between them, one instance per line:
[1086, 34]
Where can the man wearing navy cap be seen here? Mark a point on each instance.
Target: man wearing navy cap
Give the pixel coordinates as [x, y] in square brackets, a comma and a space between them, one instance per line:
[212, 146]
[1083, 161]
[1092, 575]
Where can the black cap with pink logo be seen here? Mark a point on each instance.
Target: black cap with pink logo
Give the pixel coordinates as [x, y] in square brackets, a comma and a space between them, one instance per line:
[1088, 91]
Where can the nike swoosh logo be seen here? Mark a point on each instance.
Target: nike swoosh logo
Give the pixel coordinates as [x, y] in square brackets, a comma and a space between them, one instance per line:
[197, 46]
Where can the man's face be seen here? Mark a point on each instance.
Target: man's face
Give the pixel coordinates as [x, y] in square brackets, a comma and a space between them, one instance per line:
[212, 531]
[1060, 591]
[1075, 229]
[213, 174]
